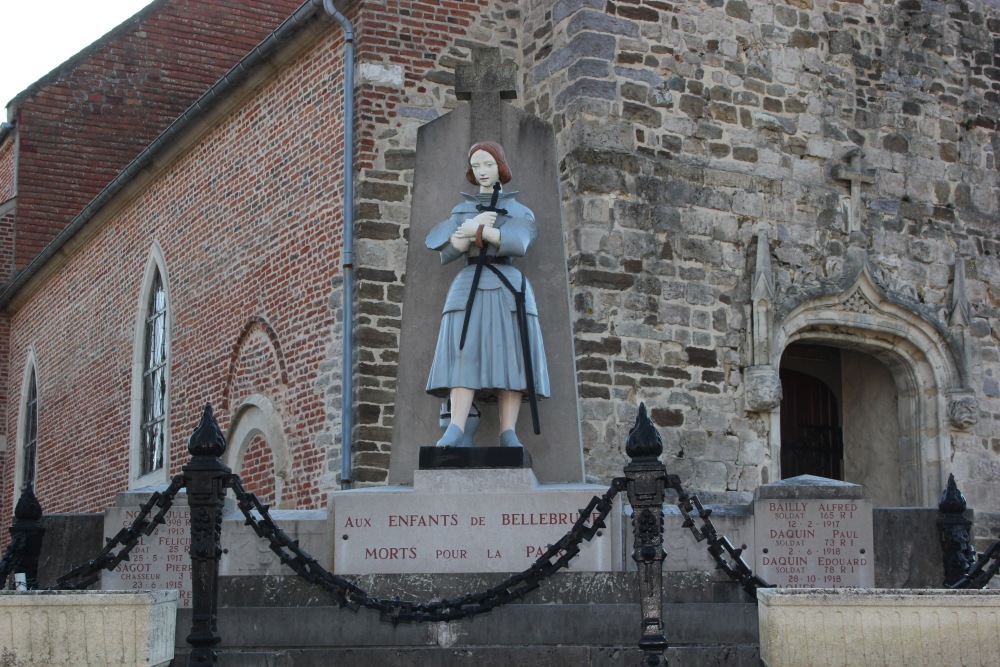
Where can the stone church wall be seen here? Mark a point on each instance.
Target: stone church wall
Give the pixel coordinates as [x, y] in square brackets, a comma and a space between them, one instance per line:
[685, 129]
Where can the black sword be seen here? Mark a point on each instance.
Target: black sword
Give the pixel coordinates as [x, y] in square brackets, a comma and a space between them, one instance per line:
[480, 261]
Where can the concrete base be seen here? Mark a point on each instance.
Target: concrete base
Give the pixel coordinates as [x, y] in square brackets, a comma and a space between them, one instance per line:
[84, 629]
[878, 627]
[575, 619]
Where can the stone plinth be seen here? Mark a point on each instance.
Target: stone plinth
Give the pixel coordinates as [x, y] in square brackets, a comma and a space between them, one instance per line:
[84, 629]
[878, 627]
[684, 552]
[161, 560]
[454, 521]
[813, 532]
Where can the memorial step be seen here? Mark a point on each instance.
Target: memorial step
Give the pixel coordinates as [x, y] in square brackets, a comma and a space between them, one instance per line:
[492, 656]
[699, 633]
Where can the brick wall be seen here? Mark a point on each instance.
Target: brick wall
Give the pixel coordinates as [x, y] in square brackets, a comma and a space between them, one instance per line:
[80, 125]
[249, 222]
[257, 470]
[6, 170]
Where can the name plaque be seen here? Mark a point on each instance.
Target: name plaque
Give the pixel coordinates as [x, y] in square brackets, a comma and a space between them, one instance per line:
[815, 542]
[160, 561]
[397, 530]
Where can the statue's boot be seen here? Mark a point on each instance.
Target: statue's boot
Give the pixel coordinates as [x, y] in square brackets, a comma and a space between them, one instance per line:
[509, 439]
[453, 437]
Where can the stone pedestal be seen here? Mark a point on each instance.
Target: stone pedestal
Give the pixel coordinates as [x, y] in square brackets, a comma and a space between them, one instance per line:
[162, 561]
[454, 521]
[878, 627]
[84, 629]
[813, 532]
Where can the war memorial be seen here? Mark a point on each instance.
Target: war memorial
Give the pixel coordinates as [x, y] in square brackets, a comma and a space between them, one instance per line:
[619, 402]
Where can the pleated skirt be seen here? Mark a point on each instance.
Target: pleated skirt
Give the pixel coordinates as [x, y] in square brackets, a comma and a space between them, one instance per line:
[492, 359]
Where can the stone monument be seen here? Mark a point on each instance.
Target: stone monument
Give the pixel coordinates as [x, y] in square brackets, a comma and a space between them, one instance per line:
[812, 532]
[488, 515]
[439, 176]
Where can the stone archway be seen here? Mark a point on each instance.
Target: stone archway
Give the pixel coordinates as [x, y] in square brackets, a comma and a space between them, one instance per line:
[840, 417]
[919, 359]
[257, 419]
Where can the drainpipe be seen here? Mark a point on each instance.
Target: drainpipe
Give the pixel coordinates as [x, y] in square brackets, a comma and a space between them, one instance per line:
[347, 267]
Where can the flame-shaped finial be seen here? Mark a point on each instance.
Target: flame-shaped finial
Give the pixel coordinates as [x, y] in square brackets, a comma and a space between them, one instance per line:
[643, 440]
[207, 439]
[952, 501]
[27, 508]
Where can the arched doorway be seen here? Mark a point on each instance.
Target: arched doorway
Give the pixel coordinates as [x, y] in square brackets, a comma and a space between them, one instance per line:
[812, 440]
[840, 418]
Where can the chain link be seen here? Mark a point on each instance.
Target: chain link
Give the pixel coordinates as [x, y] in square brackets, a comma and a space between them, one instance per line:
[986, 566]
[556, 557]
[128, 537]
[7, 562]
[346, 594]
[728, 558]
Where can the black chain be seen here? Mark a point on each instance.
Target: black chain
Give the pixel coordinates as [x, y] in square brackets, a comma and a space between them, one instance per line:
[7, 562]
[346, 594]
[87, 574]
[987, 565]
[719, 546]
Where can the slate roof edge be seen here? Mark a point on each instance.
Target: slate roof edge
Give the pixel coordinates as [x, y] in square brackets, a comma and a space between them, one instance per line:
[304, 15]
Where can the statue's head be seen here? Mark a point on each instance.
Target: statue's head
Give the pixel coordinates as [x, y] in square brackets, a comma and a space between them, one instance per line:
[494, 150]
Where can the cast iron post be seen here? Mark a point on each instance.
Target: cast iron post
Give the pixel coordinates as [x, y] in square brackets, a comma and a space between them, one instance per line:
[26, 536]
[953, 530]
[647, 478]
[206, 479]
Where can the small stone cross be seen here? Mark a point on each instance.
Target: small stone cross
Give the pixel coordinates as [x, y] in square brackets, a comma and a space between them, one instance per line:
[485, 82]
[856, 174]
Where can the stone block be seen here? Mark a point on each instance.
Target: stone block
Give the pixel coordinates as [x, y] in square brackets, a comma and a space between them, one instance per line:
[481, 520]
[878, 627]
[811, 532]
[88, 629]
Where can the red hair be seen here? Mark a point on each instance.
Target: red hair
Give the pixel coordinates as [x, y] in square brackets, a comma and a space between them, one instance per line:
[496, 150]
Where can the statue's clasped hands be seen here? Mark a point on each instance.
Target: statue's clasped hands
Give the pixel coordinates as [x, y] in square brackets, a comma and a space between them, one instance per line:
[466, 233]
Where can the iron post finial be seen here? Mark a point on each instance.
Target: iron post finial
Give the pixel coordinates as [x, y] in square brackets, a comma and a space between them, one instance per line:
[643, 439]
[28, 508]
[207, 439]
[952, 500]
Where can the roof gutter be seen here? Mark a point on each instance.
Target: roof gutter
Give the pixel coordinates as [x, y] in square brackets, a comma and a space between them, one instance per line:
[347, 267]
[239, 73]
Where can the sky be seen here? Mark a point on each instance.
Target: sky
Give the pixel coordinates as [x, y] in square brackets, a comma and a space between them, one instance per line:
[40, 36]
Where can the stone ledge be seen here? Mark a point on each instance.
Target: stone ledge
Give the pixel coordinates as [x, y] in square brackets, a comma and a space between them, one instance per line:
[878, 627]
[84, 629]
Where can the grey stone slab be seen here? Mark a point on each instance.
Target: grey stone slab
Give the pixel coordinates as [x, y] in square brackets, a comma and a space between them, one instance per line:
[697, 624]
[410, 530]
[805, 542]
[908, 547]
[557, 453]
[810, 486]
[562, 656]
[70, 540]
[565, 587]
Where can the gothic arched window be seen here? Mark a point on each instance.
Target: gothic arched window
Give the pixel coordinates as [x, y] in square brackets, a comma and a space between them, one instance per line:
[29, 438]
[154, 381]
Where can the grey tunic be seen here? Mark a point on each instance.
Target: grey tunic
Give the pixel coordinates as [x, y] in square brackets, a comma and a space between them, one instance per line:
[492, 358]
